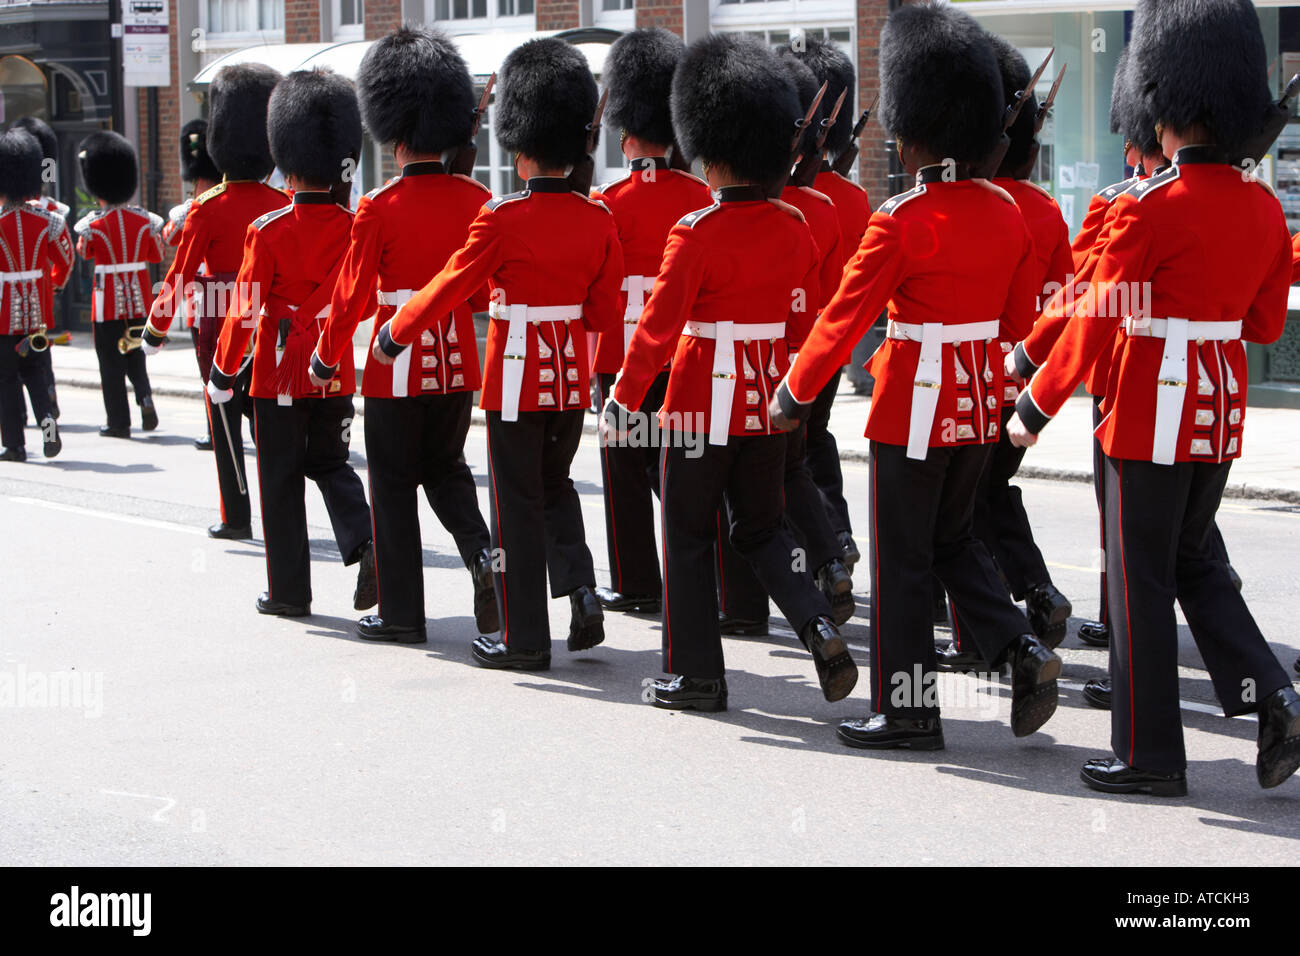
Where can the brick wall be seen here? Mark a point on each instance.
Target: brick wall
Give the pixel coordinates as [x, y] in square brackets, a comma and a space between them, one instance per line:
[382, 17]
[302, 21]
[659, 13]
[558, 14]
[873, 162]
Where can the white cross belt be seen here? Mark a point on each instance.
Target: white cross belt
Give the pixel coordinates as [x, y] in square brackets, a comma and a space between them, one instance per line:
[517, 318]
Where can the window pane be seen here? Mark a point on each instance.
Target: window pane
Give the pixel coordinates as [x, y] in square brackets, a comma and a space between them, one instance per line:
[215, 22]
[270, 14]
[440, 10]
[839, 36]
[480, 8]
[460, 9]
[779, 38]
[524, 7]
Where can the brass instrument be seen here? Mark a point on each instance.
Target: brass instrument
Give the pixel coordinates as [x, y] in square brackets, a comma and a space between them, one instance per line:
[40, 341]
[133, 339]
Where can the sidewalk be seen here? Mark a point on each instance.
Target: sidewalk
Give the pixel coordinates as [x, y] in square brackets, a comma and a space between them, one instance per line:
[1269, 469]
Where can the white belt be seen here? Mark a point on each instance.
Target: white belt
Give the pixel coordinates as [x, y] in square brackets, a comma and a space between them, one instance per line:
[637, 288]
[21, 276]
[401, 364]
[724, 365]
[517, 318]
[121, 267]
[397, 297]
[928, 380]
[1171, 384]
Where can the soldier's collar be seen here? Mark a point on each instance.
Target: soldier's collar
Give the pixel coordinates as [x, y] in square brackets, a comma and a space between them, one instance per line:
[1190, 155]
[642, 163]
[313, 197]
[942, 173]
[426, 167]
[750, 192]
[548, 184]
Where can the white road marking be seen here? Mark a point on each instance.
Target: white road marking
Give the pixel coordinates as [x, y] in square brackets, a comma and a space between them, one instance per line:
[110, 516]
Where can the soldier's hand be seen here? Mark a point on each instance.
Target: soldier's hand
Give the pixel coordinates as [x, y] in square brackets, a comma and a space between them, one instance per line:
[1018, 434]
[148, 349]
[379, 355]
[317, 381]
[1009, 367]
[219, 396]
[780, 420]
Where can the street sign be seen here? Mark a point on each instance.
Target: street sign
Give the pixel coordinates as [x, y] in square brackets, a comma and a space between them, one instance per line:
[146, 43]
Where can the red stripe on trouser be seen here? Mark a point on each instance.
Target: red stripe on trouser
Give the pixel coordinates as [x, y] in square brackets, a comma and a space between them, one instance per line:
[496, 507]
[609, 501]
[1128, 617]
[663, 530]
[875, 590]
[374, 542]
[722, 570]
[262, 499]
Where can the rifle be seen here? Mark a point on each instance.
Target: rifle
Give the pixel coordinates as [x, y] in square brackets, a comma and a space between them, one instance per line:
[844, 161]
[585, 169]
[806, 170]
[1254, 149]
[775, 187]
[1040, 117]
[467, 155]
[989, 167]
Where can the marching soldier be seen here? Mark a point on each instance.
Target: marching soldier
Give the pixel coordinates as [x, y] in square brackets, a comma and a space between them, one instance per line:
[291, 260]
[1175, 401]
[934, 411]
[35, 257]
[121, 240]
[645, 203]
[553, 262]
[737, 279]
[416, 95]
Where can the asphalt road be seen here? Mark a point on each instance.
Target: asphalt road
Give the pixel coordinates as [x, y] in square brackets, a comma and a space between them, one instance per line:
[154, 717]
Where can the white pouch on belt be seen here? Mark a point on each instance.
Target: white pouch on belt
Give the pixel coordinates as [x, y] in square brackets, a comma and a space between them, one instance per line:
[925, 390]
[724, 382]
[512, 365]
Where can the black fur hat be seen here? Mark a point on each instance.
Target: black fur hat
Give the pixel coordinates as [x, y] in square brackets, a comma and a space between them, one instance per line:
[20, 165]
[1201, 62]
[1130, 114]
[109, 167]
[639, 75]
[1016, 75]
[314, 125]
[195, 161]
[237, 103]
[734, 104]
[831, 65]
[546, 97]
[939, 82]
[1118, 90]
[415, 90]
[44, 135]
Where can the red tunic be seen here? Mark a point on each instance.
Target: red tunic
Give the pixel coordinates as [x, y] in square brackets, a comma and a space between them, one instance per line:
[1295, 254]
[402, 235]
[121, 241]
[1196, 243]
[646, 204]
[35, 259]
[819, 212]
[851, 206]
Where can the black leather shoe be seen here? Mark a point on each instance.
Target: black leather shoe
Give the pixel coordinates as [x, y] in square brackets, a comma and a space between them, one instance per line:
[1049, 612]
[366, 595]
[372, 628]
[1111, 775]
[13, 454]
[53, 444]
[495, 655]
[851, 553]
[741, 626]
[586, 621]
[148, 414]
[834, 581]
[1034, 670]
[1097, 692]
[1279, 737]
[691, 693]
[1234, 577]
[1094, 634]
[278, 608]
[487, 617]
[612, 600]
[836, 671]
[963, 662]
[884, 732]
[226, 532]
[204, 443]
[108, 431]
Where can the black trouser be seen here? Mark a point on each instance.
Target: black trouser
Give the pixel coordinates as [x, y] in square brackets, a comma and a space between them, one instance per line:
[307, 439]
[745, 474]
[921, 521]
[414, 443]
[229, 455]
[536, 520]
[11, 395]
[631, 479]
[1159, 521]
[115, 367]
[824, 455]
[37, 373]
[808, 521]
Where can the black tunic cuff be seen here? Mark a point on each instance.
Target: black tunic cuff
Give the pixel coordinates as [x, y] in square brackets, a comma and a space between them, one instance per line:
[321, 370]
[1024, 366]
[386, 343]
[617, 415]
[1033, 417]
[152, 338]
[220, 379]
[789, 407]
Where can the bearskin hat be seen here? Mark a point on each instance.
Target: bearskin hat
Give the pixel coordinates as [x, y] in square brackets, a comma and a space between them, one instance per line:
[639, 76]
[1015, 77]
[546, 97]
[20, 165]
[109, 167]
[939, 82]
[415, 90]
[44, 135]
[237, 102]
[1201, 62]
[195, 162]
[314, 126]
[733, 104]
[806, 85]
[830, 65]
[1130, 115]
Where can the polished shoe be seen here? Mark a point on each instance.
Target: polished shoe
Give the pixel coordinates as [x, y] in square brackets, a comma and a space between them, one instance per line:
[225, 532]
[885, 732]
[1049, 611]
[836, 671]
[741, 626]
[586, 621]
[1094, 633]
[969, 661]
[612, 600]
[851, 553]
[834, 581]
[1234, 577]
[372, 628]
[108, 431]
[148, 414]
[13, 454]
[1097, 692]
[366, 595]
[1034, 670]
[266, 606]
[495, 655]
[53, 444]
[691, 693]
[1111, 775]
[487, 617]
[204, 443]
[1279, 737]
